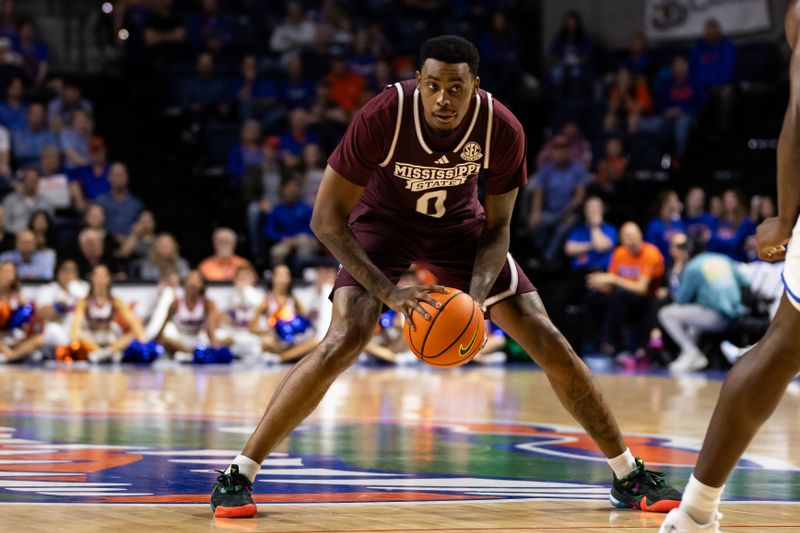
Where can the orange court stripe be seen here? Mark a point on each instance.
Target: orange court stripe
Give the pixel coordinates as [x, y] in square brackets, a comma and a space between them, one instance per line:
[301, 498]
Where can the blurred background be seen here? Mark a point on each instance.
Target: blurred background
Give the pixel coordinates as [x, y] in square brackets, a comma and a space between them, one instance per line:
[159, 135]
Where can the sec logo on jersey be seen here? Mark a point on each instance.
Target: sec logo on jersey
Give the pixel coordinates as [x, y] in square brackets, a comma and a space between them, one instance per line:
[471, 152]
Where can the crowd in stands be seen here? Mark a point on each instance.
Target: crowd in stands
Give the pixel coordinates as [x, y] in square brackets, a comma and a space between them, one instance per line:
[267, 91]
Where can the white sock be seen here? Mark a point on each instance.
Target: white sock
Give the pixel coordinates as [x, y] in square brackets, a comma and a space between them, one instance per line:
[701, 501]
[247, 467]
[623, 464]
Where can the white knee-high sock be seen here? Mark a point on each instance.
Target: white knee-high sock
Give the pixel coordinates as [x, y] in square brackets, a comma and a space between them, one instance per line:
[700, 501]
[623, 464]
[247, 467]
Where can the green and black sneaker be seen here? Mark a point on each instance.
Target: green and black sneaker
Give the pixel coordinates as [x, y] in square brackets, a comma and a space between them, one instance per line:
[231, 497]
[644, 489]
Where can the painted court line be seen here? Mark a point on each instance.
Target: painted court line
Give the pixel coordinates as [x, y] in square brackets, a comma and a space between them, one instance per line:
[504, 529]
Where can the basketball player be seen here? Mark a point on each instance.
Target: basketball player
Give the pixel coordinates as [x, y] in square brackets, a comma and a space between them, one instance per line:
[402, 187]
[756, 383]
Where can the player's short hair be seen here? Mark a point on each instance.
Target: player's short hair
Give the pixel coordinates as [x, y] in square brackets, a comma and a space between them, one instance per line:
[450, 49]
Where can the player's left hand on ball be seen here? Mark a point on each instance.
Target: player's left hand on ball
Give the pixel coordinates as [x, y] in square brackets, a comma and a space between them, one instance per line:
[772, 236]
[407, 300]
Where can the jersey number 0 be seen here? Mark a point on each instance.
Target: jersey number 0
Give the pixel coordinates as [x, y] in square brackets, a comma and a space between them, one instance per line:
[434, 199]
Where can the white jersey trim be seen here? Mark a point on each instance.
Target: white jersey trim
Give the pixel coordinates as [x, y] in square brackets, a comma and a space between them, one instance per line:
[418, 128]
[400, 98]
[512, 288]
[490, 121]
[472, 124]
[416, 123]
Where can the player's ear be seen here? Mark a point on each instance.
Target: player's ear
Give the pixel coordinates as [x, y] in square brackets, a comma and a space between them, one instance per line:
[477, 84]
[418, 77]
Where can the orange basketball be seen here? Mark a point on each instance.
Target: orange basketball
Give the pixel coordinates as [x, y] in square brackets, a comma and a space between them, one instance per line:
[453, 335]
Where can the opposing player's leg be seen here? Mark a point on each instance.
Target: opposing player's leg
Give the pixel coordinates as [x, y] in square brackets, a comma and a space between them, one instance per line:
[524, 318]
[750, 393]
[355, 315]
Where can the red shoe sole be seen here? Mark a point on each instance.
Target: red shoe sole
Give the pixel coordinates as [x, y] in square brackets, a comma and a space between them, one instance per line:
[243, 511]
[663, 506]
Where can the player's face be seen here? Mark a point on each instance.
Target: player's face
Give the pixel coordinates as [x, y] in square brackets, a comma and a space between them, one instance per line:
[446, 90]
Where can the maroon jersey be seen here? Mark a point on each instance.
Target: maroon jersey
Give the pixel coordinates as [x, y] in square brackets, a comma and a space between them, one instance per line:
[417, 178]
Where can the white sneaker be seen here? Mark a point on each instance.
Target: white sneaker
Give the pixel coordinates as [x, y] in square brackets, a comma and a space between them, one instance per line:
[183, 357]
[405, 358]
[493, 358]
[270, 359]
[689, 362]
[99, 356]
[679, 521]
[732, 352]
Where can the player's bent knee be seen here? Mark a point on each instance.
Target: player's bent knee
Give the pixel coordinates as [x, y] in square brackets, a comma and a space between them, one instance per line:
[346, 339]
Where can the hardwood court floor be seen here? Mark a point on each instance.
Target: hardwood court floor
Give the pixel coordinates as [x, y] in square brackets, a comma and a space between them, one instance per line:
[388, 450]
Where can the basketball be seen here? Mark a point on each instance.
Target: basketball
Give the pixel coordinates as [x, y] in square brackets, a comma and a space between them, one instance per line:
[453, 335]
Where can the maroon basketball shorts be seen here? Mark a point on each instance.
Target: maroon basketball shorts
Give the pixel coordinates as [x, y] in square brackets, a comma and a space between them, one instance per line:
[449, 253]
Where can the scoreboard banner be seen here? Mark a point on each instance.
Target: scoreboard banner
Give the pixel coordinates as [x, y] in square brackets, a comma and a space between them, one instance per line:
[684, 19]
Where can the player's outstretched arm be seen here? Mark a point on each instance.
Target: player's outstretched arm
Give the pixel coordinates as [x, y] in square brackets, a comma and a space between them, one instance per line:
[774, 233]
[492, 245]
[335, 200]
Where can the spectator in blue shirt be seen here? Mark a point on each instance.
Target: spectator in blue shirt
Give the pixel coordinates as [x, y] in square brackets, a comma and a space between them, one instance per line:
[708, 298]
[558, 189]
[210, 30]
[699, 222]
[247, 152]
[256, 96]
[289, 227]
[204, 92]
[297, 137]
[636, 58]
[500, 53]
[90, 181]
[571, 56]
[74, 140]
[297, 90]
[713, 58]
[591, 243]
[61, 110]
[32, 264]
[121, 207]
[27, 143]
[733, 228]
[35, 53]
[679, 99]
[13, 111]
[661, 229]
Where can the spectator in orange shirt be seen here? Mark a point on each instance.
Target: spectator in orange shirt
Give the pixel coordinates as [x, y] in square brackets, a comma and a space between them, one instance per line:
[346, 85]
[623, 295]
[611, 168]
[628, 100]
[223, 264]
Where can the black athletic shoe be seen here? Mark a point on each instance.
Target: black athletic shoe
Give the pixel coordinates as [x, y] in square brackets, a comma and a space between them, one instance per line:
[231, 497]
[644, 489]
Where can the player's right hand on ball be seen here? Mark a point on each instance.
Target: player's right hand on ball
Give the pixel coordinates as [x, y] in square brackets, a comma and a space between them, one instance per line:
[772, 236]
[407, 300]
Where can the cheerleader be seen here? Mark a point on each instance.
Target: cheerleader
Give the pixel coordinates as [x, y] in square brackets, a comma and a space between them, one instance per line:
[94, 327]
[18, 338]
[288, 334]
[191, 321]
[243, 304]
[56, 302]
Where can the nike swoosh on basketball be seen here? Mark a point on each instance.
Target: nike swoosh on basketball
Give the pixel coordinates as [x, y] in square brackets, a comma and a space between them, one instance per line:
[464, 351]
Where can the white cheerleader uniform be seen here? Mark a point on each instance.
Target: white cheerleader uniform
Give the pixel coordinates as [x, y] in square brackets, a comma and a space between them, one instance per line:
[188, 324]
[242, 307]
[99, 326]
[56, 332]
